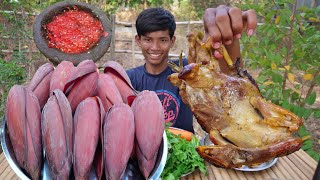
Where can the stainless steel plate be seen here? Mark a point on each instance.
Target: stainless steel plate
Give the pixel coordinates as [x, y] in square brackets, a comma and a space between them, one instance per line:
[132, 171]
[206, 142]
[261, 167]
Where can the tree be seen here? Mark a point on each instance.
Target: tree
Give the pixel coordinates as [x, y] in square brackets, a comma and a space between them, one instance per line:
[286, 49]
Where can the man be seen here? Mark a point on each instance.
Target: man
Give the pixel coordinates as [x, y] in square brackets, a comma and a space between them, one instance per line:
[155, 37]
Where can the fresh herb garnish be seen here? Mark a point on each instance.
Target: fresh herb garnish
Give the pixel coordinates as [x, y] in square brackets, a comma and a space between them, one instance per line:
[182, 157]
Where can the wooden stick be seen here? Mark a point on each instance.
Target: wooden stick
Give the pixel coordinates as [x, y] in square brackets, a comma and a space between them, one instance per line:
[224, 173]
[249, 175]
[2, 157]
[5, 172]
[275, 169]
[297, 171]
[307, 170]
[196, 175]
[302, 155]
[271, 173]
[210, 171]
[284, 168]
[265, 174]
[11, 175]
[240, 175]
[216, 172]
[257, 175]
[232, 173]
[3, 166]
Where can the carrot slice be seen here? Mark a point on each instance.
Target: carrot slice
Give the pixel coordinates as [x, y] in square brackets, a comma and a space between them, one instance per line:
[183, 133]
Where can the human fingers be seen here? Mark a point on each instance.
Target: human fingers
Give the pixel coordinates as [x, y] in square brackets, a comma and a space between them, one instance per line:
[250, 21]
[237, 22]
[223, 22]
[217, 54]
[211, 28]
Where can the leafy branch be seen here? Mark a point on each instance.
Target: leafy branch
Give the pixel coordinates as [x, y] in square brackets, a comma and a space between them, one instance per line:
[289, 49]
[285, 50]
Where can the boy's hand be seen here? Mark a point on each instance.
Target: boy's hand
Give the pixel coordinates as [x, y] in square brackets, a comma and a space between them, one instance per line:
[225, 25]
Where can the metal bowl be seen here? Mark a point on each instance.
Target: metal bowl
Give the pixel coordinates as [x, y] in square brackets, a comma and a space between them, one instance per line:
[55, 55]
[132, 171]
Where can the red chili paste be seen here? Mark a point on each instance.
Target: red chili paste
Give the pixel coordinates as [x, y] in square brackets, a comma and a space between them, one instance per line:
[74, 31]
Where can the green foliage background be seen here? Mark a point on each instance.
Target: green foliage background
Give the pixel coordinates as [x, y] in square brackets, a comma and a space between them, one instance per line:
[285, 49]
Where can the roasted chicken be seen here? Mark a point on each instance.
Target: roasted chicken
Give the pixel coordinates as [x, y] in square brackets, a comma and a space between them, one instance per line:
[245, 128]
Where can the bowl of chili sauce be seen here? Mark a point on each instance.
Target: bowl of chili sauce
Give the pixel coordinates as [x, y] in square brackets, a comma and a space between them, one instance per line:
[72, 31]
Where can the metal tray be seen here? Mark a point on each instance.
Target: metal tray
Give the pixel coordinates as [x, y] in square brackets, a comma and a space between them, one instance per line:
[206, 141]
[261, 167]
[132, 171]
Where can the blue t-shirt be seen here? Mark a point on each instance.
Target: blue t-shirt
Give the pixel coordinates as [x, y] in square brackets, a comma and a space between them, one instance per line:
[175, 110]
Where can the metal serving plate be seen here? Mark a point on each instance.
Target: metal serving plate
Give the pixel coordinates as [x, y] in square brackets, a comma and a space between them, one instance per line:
[261, 167]
[206, 141]
[132, 171]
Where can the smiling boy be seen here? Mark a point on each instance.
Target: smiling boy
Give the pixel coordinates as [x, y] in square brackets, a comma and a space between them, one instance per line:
[155, 36]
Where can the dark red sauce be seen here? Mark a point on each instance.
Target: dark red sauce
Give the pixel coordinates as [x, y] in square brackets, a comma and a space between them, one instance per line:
[74, 31]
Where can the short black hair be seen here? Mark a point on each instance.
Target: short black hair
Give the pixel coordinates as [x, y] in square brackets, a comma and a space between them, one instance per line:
[155, 19]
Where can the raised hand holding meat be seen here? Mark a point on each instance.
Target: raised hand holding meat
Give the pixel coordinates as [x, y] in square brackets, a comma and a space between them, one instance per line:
[245, 128]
